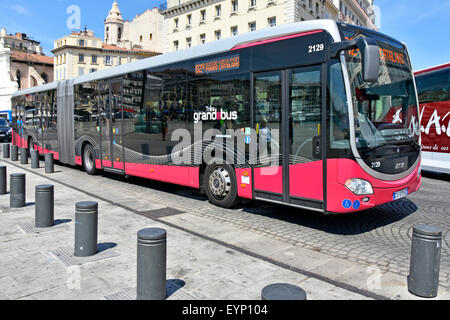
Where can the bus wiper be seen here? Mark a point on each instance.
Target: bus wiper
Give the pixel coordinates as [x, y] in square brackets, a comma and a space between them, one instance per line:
[415, 143]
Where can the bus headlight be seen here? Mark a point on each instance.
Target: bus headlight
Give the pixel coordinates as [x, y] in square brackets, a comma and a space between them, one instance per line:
[359, 186]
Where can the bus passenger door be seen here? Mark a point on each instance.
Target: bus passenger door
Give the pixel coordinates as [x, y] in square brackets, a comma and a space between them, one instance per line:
[110, 124]
[287, 120]
[303, 137]
[268, 169]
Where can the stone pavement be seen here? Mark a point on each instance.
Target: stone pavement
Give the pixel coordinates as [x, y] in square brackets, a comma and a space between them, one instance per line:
[214, 259]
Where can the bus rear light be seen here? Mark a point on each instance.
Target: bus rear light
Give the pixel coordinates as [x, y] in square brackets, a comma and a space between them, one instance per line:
[359, 187]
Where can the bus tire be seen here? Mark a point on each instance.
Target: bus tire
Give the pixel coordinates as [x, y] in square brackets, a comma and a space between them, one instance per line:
[89, 160]
[220, 185]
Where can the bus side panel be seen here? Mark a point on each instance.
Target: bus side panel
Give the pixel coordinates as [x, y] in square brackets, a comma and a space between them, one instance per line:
[244, 183]
[185, 176]
[269, 179]
[310, 182]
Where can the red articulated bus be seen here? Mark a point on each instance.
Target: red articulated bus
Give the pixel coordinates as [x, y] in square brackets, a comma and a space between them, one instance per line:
[299, 114]
[433, 86]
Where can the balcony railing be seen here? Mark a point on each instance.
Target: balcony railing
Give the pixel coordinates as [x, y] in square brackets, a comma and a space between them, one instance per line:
[163, 6]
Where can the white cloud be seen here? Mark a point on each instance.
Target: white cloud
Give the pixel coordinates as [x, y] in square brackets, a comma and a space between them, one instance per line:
[19, 9]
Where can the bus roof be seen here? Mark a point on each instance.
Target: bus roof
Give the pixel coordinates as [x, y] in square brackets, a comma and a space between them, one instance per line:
[431, 69]
[200, 51]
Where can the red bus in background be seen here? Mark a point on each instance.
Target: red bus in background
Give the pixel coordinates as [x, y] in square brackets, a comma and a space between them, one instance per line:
[433, 85]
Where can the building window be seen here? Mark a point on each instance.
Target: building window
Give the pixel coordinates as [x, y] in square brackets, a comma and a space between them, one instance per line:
[150, 37]
[176, 23]
[217, 34]
[108, 60]
[272, 22]
[234, 5]
[80, 71]
[94, 58]
[81, 57]
[19, 78]
[234, 31]
[81, 43]
[189, 19]
[44, 77]
[92, 70]
[218, 11]
[175, 45]
[119, 35]
[252, 26]
[317, 8]
[310, 3]
[252, 3]
[188, 42]
[202, 16]
[202, 38]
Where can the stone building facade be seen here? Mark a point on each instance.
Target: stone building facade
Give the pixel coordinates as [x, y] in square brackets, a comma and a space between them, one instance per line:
[194, 22]
[82, 52]
[145, 31]
[23, 65]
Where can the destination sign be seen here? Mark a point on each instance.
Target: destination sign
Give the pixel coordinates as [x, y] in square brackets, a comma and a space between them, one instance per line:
[218, 65]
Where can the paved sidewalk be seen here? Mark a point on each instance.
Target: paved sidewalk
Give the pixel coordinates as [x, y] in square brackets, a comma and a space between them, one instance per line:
[28, 269]
[214, 260]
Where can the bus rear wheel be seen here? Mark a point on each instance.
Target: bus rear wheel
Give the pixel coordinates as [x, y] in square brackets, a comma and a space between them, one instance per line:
[89, 160]
[220, 185]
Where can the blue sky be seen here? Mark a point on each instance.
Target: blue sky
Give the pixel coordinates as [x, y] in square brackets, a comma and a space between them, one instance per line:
[423, 25]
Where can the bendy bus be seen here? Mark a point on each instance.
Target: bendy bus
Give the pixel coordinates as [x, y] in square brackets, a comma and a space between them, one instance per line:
[299, 114]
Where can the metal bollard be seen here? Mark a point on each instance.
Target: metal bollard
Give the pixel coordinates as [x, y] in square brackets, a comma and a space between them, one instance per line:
[6, 151]
[423, 279]
[23, 156]
[14, 153]
[17, 188]
[49, 163]
[86, 224]
[3, 180]
[44, 211]
[34, 159]
[151, 264]
[283, 291]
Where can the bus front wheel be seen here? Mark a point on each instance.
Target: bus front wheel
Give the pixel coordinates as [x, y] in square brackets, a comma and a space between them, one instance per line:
[220, 185]
[89, 160]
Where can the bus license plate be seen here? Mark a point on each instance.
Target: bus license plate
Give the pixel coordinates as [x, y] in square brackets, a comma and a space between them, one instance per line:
[400, 194]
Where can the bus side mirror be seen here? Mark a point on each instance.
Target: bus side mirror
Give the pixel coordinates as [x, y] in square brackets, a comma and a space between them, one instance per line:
[370, 55]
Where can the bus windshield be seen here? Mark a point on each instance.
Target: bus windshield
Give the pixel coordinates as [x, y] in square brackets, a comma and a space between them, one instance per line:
[385, 113]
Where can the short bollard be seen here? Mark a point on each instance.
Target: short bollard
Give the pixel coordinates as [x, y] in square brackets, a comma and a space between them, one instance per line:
[23, 156]
[6, 151]
[34, 159]
[49, 163]
[151, 264]
[283, 291]
[423, 279]
[14, 153]
[3, 180]
[86, 224]
[44, 211]
[17, 189]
